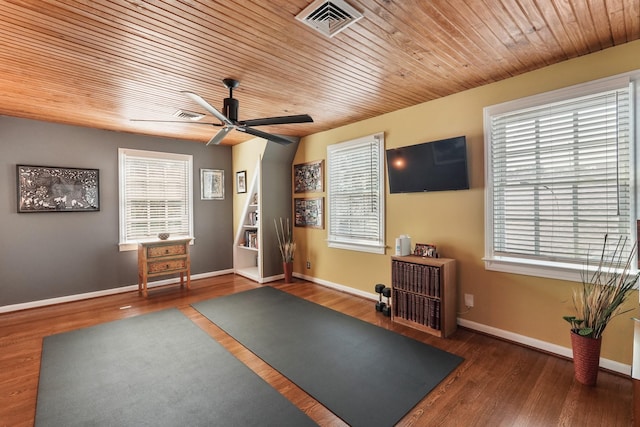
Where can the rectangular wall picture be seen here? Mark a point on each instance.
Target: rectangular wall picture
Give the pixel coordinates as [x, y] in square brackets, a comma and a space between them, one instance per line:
[211, 184]
[309, 212]
[241, 182]
[56, 189]
[308, 177]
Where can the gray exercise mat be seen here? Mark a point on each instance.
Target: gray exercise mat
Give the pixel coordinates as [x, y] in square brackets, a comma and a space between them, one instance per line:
[158, 369]
[366, 375]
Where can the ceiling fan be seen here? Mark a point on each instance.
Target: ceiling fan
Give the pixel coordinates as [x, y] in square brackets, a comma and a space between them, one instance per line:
[229, 118]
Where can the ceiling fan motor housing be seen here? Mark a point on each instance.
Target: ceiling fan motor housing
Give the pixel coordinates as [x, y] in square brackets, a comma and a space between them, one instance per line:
[230, 109]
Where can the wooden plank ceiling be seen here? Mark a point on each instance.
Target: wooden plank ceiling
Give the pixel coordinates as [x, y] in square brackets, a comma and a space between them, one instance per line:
[101, 63]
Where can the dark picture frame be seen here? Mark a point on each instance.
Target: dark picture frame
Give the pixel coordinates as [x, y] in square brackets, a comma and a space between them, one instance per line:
[309, 212]
[57, 189]
[308, 177]
[426, 250]
[241, 182]
[211, 184]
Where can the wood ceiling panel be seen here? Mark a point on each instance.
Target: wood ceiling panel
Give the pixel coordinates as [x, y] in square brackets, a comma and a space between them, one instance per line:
[102, 63]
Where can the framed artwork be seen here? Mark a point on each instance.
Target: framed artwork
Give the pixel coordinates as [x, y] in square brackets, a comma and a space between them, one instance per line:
[241, 182]
[211, 184]
[425, 250]
[309, 212]
[56, 189]
[308, 177]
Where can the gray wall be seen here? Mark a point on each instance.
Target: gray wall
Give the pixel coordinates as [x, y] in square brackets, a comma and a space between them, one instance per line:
[276, 200]
[48, 255]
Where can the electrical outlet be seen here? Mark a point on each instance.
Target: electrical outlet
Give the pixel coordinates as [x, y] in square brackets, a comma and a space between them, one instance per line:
[308, 264]
[468, 300]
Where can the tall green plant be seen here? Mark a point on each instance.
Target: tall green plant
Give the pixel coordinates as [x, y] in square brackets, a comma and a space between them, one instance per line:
[603, 291]
[285, 239]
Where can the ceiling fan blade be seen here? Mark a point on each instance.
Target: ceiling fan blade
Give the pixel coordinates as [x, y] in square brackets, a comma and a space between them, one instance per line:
[204, 104]
[265, 135]
[218, 137]
[282, 120]
[176, 121]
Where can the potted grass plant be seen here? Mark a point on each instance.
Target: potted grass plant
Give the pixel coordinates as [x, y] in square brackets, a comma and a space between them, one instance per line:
[286, 245]
[598, 299]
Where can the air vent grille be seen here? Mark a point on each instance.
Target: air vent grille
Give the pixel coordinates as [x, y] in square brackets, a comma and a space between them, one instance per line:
[190, 115]
[329, 17]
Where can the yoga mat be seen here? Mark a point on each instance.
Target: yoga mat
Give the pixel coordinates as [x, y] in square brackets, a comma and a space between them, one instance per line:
[158, 369]
[366, 375]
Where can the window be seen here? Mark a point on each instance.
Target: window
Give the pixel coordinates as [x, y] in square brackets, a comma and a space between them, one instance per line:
[155, 195]
[559, 176]
[355, 189]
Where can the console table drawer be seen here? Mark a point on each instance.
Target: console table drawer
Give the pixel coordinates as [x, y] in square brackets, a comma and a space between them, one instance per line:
[168, 250]
[166, 266]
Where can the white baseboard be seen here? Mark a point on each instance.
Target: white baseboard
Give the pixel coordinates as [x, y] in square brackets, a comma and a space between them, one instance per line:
[611, 365]
[347, 289]
[113, 291]
[500, 333]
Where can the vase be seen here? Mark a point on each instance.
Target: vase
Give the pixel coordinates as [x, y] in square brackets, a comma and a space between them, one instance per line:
[586, 358]
[288, 271]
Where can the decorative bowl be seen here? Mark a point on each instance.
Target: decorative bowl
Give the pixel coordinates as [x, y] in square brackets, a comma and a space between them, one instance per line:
[163, 236]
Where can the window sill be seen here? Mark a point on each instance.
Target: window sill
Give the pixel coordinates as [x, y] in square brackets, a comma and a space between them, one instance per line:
[373, 249]
[550, 270]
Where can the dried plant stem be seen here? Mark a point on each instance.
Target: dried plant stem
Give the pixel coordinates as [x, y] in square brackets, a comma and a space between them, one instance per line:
[285, 239]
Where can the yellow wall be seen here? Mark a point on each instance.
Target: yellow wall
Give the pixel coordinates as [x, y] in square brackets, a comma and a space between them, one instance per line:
[245, 156]
[454, 220]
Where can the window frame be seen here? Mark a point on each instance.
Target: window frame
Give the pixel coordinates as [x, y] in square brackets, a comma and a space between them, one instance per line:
[549, 269]
[343, 242]
[128, 245]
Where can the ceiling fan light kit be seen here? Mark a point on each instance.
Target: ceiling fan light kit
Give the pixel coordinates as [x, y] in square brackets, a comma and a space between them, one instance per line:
[229, 117]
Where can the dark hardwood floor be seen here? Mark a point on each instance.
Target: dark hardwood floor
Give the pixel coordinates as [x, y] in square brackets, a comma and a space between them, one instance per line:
[498, 384]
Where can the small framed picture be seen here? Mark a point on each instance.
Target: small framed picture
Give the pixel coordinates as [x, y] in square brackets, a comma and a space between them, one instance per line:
[241, 182]
[425, 250]
[308, 177]
[309, 212]
[211, 184]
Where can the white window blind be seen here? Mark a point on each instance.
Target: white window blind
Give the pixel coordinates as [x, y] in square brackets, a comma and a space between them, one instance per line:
[560, 177]
[355, 191]
[155, 195]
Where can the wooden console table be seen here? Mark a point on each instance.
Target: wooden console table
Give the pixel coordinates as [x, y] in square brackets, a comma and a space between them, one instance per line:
[163, 257]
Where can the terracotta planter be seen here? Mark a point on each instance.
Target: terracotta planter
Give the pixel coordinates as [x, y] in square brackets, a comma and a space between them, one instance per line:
[288, 271]
[586, 358]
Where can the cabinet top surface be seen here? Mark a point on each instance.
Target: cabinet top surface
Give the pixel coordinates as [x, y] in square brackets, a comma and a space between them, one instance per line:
[422, 260]
[166, 242]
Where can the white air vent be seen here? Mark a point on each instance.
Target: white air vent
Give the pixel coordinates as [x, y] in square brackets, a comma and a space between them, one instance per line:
[329, 17]
[184, 114]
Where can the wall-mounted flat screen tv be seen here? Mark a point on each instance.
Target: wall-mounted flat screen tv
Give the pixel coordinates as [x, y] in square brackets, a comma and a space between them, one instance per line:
[430, 166]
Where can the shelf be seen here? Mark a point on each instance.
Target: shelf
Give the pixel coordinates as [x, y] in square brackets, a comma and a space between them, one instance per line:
[249, 272]
[248, 248]
[424, 294]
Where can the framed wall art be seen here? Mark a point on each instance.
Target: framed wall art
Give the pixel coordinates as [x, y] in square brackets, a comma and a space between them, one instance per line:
[211, 184]
[241, 182]
[309, 212]
[57, 189]
[425, 250]
[308, 177]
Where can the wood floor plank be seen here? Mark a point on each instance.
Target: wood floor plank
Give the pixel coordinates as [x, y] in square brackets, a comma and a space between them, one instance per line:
[499, 383]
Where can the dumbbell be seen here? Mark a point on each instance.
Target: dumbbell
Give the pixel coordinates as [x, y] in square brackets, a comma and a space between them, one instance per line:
[386, 310]
[379, 289]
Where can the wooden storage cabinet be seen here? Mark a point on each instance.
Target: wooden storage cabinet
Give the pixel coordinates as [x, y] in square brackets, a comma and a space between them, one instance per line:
[424, 293]
[161, 258]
